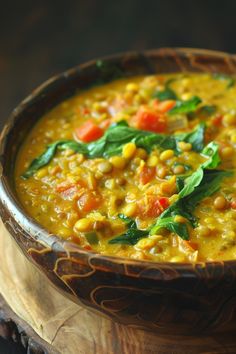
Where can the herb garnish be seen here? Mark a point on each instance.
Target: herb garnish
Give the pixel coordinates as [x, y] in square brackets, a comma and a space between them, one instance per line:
[166, 94]
[112, 141]
[132, 235]
[187, 106]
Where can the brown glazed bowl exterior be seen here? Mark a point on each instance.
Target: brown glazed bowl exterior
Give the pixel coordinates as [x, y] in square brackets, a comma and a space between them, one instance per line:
[164, 297]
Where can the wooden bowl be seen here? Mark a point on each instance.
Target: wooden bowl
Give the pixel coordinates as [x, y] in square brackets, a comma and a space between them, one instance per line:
[164, 297]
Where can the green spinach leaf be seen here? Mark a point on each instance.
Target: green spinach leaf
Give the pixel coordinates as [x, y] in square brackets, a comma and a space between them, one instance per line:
[132, 235]
[166, 94]
[112, 142]
[186, 106]
[185, 206]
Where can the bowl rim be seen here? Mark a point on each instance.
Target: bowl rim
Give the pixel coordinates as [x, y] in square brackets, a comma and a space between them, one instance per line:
[40, 234]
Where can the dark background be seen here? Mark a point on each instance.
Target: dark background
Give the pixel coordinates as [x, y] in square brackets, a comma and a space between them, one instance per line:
[41, 38]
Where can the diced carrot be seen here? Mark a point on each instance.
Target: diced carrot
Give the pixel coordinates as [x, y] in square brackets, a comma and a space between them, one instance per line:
[105, 124]
[148, 119]
[147, 174]
[89, 131]
[164, 106]
[89, 201]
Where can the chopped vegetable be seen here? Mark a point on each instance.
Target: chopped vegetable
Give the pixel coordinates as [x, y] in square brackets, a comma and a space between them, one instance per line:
[186, 106]
[89, 131]
[147, 174]
[166, 94]
[147, 119]
[132, 235]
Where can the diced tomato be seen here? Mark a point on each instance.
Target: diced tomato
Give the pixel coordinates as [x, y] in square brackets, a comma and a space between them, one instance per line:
[89, 131]
[217, 121]
[105, 124]
[148, 119]
[153, 206]
[164, 106]
[89, 201]
[147, 174]
[164, 202]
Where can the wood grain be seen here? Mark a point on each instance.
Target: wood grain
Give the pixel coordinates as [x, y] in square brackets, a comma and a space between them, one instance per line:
[72, 329]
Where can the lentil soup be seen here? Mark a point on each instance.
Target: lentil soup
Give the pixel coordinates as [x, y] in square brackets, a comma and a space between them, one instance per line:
[140, 168]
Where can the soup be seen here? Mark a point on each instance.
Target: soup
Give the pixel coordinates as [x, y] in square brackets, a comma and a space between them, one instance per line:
[140, 168]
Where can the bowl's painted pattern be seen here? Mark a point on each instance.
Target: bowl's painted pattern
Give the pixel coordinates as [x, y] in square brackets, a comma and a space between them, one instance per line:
[164, 297]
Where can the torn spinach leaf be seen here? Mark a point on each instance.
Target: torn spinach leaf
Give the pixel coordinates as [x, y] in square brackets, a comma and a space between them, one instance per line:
[206, 111]
[213, 160]
[132, 234]
[166, 94]
[185, 206]
[112, 142]
[50, 152]
[186, 106]
[195, 137]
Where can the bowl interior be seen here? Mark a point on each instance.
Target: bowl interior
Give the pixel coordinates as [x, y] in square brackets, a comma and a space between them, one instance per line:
[65, 85]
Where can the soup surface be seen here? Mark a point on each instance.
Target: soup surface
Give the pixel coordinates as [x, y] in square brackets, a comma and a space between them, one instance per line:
[140, 167]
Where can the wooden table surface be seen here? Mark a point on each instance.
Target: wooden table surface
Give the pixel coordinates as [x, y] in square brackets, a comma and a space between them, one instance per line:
[17, 337]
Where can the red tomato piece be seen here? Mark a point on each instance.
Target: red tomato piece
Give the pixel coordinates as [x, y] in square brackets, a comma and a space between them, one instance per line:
[150, 206]
[147, 174]
[164, 202]
[153, 207]
[88, 201]
[89, 131]
[148, 119]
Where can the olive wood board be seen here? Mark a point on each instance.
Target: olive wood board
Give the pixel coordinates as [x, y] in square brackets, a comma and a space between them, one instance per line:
[71, 329]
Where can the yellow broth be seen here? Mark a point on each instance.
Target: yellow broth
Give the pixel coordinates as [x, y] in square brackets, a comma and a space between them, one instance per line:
[80, 199]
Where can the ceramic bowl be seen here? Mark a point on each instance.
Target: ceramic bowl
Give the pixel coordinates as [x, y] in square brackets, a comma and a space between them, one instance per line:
[164, 297]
